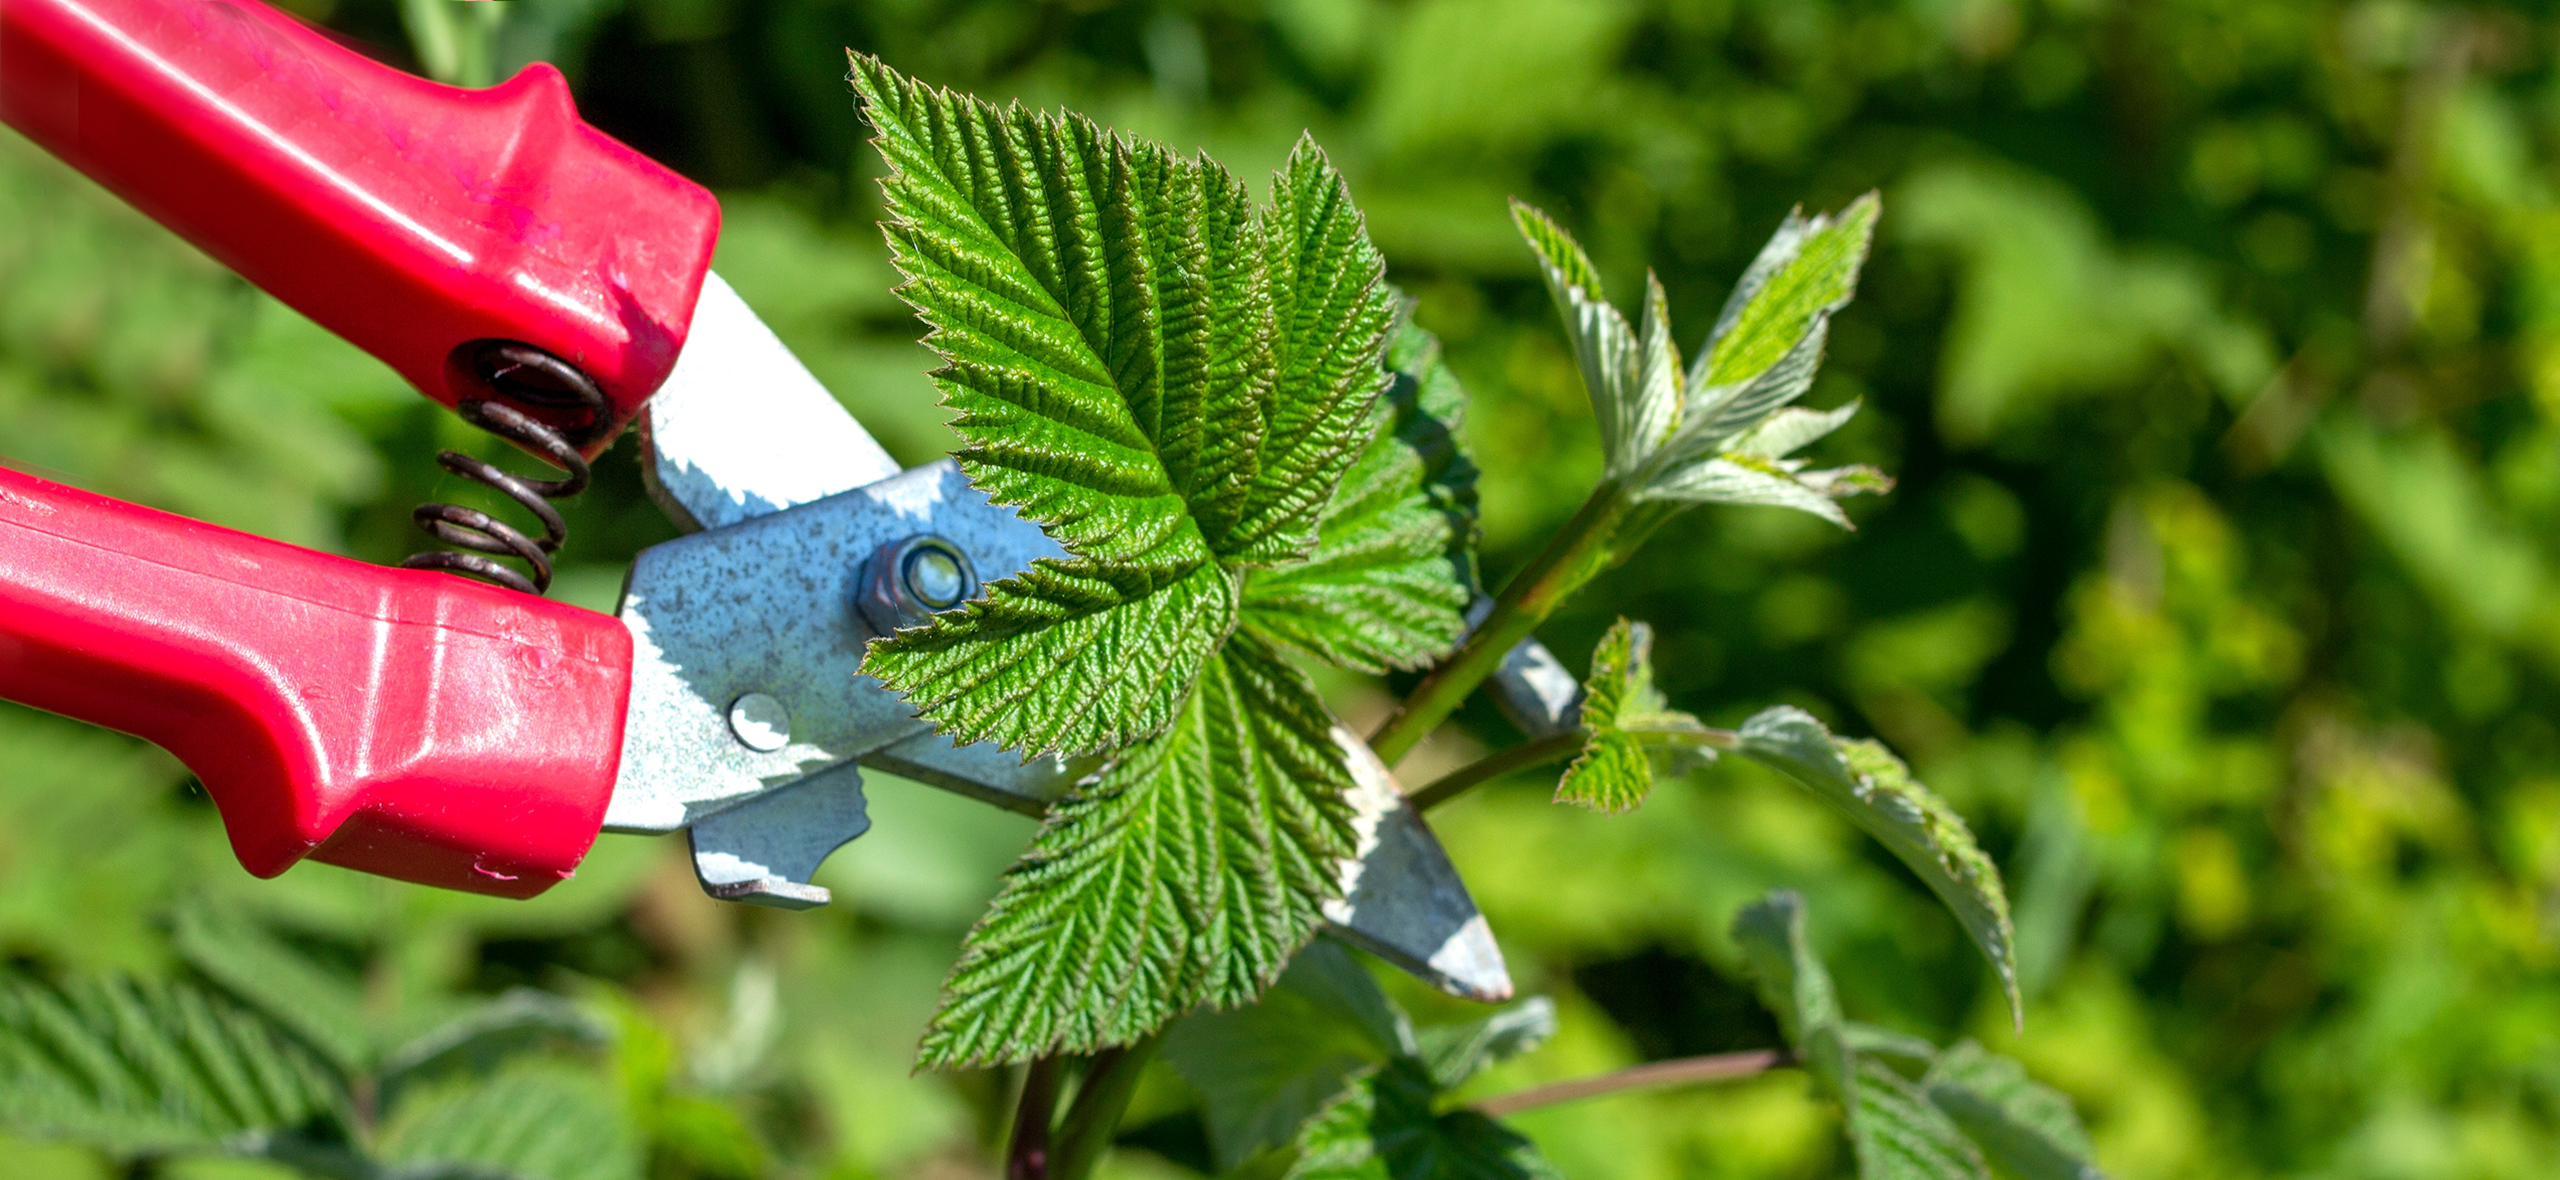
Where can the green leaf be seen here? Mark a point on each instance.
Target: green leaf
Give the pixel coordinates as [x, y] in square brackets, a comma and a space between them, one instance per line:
[2029, 1128]
[1630, 731]
[1738, 424]
[1767, 344]
[1899, 1134]
[1394, 564]
[1633, 379]
[1871, 1041]
[1187, 872]
[1073, 656]
[138, 1066]
[1263, 1069]
[1794, 986]
[1386, 1128]
[479, 1041]
[1331, 310]
[1266, 1069]
[1877, 791]
[534, 1121]
[1792, 429]
[1166, 379]
[244, 959]
[1737, 478]
[1808, 270]
[1568, 270]
[1456, 1052]
[1721, 432]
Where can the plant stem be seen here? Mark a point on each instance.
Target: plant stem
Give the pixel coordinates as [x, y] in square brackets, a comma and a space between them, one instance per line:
[1582, 548]
[1094, 1116]
[1027, 1157]
[1484, 770]
[1723, 1067]
[1552, 748]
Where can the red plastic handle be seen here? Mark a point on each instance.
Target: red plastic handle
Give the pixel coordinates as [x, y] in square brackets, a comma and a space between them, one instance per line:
[406, 723]
[408, 217]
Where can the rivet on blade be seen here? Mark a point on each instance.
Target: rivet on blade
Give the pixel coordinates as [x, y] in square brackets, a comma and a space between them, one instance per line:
[760, 722]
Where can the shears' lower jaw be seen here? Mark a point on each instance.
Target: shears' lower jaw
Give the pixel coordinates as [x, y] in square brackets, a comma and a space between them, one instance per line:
[1401, 898]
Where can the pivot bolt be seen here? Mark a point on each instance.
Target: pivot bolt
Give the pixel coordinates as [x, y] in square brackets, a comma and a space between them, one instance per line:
[907, 580]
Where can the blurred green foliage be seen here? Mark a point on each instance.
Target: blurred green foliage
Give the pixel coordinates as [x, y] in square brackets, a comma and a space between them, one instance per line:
[2216, 345]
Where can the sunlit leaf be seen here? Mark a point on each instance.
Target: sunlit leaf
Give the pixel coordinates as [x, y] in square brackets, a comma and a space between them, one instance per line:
[1186, 873]
[1632, 376]
[1739, 478]
[1631, 732]
[1393, 569]
[1738, 424]
[1807, 271]
[1792, 429]
[1331, 312]
[1560, 259]
[1876, 790]
[1722, 432]
[1168, 380]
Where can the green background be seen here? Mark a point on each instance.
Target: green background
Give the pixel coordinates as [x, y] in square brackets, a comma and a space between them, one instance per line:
[2216, 345]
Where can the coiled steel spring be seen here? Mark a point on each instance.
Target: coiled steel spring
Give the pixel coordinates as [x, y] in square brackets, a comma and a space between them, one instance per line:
[527, 375]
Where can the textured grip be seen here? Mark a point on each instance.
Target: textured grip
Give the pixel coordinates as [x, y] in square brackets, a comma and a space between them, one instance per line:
[411, 218]
[411, 724]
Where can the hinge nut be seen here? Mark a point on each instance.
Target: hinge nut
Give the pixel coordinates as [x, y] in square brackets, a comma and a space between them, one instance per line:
[907, 580]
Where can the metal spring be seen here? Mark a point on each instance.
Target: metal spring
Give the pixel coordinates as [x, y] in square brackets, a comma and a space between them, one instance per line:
[526, 374]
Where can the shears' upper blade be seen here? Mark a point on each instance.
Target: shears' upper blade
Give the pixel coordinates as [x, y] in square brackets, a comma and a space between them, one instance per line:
[741, 428]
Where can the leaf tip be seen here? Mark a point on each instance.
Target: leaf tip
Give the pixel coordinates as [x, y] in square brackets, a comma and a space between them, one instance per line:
[1865, 211]
[870, 77]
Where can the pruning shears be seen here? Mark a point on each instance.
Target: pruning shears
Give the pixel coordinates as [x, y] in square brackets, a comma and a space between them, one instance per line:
[553, 286]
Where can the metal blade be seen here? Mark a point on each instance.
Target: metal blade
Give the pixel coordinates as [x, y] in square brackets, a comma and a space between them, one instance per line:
[765, 853]
[742, 429]
[747, 643]
[1531, 687]
[984, 772]
[1401, 898]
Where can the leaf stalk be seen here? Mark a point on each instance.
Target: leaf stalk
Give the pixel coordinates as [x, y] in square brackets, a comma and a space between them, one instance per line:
[1551, 748]
[1586, 545]
[1554, 747]
[1027, 1158]
[1094, 1117]
[1686, 1071]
